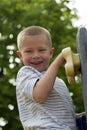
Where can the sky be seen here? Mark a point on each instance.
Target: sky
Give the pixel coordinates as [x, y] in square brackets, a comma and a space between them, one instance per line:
[81, 6]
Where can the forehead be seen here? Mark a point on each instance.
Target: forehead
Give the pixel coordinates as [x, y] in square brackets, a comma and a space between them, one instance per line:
[34, 40]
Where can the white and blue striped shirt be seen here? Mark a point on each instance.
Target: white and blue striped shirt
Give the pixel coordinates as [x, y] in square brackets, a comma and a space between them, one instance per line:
[55, 114]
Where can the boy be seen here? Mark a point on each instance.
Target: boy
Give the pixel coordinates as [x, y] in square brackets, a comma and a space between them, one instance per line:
[44, 102]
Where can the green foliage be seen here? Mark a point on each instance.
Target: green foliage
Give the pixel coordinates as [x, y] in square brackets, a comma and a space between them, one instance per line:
[14, 16]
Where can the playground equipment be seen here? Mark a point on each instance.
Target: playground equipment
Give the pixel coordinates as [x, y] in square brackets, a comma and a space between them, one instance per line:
[77, 63]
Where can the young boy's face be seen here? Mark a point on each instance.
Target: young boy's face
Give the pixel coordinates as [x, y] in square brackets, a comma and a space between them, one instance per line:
[36, 52]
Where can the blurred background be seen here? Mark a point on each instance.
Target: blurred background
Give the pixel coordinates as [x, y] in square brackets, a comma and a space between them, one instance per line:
[56, 16]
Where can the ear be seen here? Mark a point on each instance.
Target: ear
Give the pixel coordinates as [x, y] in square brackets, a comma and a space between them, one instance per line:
[19, 54]
[52, 51]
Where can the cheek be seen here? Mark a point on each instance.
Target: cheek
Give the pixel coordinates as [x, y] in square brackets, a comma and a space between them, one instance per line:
[25, 58]
[47, 57]
[25, 61]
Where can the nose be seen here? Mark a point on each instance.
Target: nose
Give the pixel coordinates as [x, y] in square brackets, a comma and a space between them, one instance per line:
[36, 55]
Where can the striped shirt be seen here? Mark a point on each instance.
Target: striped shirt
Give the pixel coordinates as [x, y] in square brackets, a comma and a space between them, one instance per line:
[56, 113]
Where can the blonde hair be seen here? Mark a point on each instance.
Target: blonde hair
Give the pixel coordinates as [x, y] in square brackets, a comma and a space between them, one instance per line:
[31, 31]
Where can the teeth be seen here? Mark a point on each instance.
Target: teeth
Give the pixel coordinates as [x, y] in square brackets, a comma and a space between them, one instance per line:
[36, 63]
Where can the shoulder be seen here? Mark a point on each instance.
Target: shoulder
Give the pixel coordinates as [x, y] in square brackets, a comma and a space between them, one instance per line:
[28, 71]
[60, 81]
[27, 75]
[61, 87]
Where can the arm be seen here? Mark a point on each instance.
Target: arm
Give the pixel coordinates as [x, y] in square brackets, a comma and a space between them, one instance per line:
[44, 86]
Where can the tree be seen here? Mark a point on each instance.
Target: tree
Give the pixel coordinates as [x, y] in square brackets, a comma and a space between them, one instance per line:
[16, 15]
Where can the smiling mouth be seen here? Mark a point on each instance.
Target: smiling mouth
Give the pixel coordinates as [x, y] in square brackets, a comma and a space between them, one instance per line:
[36, 63]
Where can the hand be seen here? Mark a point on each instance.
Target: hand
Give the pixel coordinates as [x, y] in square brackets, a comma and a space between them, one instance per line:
[80, 114]
[61, 60]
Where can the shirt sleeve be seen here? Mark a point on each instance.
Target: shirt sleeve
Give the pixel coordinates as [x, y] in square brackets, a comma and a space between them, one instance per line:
[26, 80]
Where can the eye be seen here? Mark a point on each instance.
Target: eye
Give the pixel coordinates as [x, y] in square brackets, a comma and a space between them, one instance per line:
[28, 51]
[42, 50]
